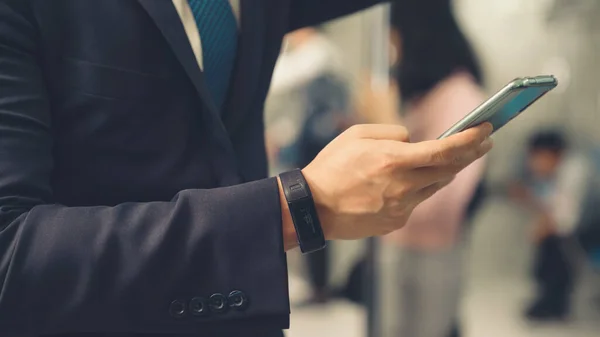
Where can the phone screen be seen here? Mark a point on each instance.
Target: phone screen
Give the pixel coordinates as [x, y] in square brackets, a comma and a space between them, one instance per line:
[516, 104]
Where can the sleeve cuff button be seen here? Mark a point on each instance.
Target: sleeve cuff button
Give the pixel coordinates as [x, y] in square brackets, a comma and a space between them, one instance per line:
[238, 300]
[177, 309]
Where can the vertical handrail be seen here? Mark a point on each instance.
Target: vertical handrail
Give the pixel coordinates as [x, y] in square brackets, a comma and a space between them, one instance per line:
[380, 44]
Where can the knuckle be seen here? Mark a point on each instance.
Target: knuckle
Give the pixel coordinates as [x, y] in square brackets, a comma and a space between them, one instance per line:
[446, 182]
[474, 141]
[403, 133]
[438, 156]
[457, 160]
[353, 130]
[402, 188]
[358, 130]
[406, 188]
[447, 171]
[387, 162]
[397, 212]
[433, 189]
[455, 169]
[480, 152]
[474, 155]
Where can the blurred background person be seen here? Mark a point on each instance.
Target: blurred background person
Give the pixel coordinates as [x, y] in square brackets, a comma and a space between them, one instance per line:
[439, 81]
[557, 186]
[309, 106]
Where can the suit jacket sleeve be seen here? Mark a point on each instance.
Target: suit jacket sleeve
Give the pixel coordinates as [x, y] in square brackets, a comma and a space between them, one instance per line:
[305, 13]
[119, 269]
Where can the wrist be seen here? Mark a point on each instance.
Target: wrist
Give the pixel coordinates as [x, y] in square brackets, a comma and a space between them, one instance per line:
[302, 211]
[290, 240]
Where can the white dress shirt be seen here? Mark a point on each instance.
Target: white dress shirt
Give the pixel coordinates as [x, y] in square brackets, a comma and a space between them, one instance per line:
[191, 28]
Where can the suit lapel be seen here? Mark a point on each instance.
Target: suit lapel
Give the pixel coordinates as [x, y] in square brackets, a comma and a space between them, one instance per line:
[169, 23]
[167, 20]
[248, 63]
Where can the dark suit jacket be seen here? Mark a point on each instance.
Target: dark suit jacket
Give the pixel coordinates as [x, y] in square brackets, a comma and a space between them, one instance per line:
[126, 205]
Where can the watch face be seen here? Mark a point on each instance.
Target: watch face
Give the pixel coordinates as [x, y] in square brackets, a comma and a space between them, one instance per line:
[303, 211]
[305, 217]
[308, 228]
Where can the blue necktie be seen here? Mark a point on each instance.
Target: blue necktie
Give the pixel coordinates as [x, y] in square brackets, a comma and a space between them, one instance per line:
[218, 31]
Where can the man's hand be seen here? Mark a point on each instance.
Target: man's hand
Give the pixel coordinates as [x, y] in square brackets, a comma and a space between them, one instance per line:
[369, 179]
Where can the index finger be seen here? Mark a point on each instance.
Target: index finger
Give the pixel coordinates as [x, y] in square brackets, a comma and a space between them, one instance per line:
[452, 149]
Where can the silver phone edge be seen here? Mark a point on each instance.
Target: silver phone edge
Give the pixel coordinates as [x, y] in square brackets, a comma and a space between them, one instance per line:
[516, 84]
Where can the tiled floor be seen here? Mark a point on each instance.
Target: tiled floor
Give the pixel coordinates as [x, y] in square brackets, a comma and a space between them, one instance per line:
[497, 290]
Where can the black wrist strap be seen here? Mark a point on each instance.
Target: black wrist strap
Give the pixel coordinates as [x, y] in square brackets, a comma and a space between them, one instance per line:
[303, 211]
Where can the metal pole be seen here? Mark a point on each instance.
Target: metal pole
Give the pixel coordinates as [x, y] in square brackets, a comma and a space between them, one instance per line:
[370, 288]
[380, 48]
[379, 26]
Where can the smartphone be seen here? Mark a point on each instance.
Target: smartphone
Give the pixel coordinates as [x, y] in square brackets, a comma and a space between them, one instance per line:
[506, 104]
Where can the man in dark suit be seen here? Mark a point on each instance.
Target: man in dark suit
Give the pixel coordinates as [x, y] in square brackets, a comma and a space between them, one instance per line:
[133, 197]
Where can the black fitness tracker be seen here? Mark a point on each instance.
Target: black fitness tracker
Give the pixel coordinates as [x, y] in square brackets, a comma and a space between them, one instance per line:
[303, 211]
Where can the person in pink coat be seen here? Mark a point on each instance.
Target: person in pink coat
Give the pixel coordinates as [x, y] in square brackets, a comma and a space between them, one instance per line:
[439, 81]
